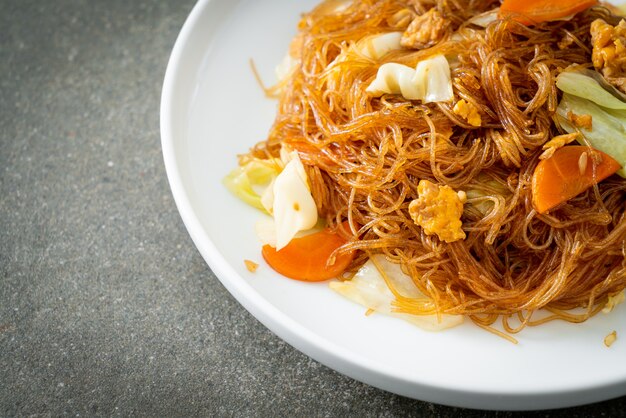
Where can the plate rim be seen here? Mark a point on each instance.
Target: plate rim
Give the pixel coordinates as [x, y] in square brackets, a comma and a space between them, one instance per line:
[306, 341]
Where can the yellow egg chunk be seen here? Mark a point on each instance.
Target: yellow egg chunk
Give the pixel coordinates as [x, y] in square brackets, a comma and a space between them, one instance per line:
[438, 210]
[467, 111]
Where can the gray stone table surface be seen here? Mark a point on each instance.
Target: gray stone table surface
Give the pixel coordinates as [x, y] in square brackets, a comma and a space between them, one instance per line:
[106, 307]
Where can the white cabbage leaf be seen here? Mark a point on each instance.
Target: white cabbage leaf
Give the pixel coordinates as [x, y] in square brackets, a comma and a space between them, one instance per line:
[586, 87]
[608, 132]
[369, 289]
[430, 81]
[265, 229]
[248, 182]
[376, 46]
[485, 19]
[286, 67]
[293, 206]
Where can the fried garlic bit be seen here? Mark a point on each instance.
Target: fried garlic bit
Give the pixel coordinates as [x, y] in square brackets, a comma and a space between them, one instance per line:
[251, 265]
[610, 339]
[566, 41]
[556, 143]
[467, 111]
[582, 163]
[438, 210]
[580, 121]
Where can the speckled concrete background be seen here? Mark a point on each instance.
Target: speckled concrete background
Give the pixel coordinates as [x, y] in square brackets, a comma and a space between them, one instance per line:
[106, 307]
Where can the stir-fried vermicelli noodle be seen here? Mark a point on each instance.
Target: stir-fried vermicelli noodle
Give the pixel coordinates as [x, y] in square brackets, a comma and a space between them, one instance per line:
[365, 155]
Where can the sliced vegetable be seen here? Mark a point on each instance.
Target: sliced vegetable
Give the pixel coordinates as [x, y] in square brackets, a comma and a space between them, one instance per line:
[293, 206]
[265, 229]
[486, 18]
[307, 258]
[483, 192]
[370, 288]
[435, 74]
[376, 46]
[430, 81]
[568, 172]
[286, 67]
[530, 12]
[582, 85]
[373, 47]
[284, 193]
[394, 78]
[608, 131]
[291, 61]
[257, 173]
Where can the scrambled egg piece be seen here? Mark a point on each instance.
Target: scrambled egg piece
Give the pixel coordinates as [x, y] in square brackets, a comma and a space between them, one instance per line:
[425, 30]
[438, 210]
[467, 111]
[609, 51]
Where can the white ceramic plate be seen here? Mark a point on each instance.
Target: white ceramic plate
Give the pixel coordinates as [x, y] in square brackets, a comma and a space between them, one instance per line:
[213, 109]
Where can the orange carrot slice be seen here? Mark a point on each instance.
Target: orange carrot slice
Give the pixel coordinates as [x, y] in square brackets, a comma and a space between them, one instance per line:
[568, 173]
[306, 258]
[530, 12]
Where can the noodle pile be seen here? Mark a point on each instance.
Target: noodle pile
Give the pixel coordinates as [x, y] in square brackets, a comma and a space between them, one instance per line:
[364, 157]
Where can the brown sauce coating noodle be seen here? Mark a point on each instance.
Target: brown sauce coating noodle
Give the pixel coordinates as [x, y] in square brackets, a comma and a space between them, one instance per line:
[366, 155]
